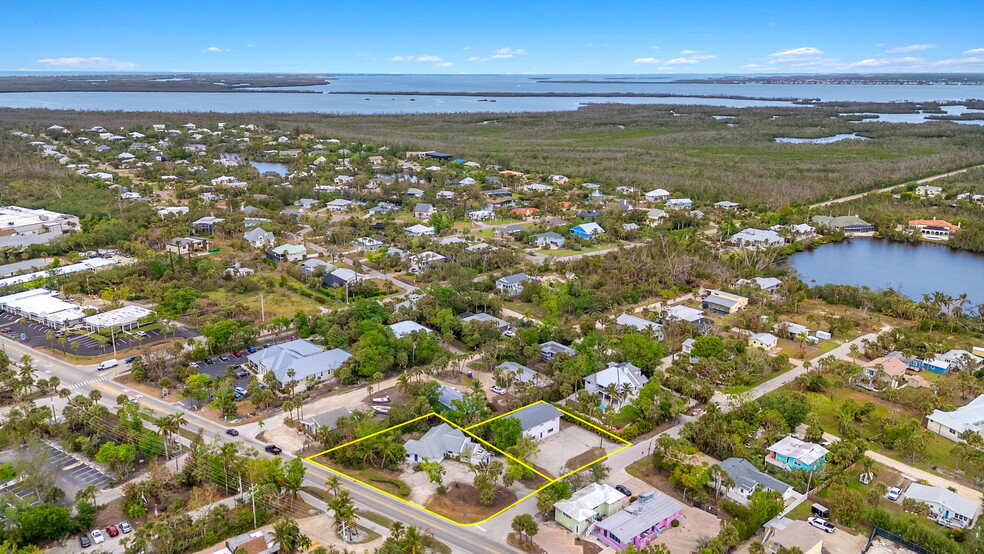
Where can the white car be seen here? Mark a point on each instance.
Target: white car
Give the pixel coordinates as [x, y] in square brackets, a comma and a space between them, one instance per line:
[97, 536]
[509, 334]
[894, 493]
[821, 524]
[381, 399]
[498, 390]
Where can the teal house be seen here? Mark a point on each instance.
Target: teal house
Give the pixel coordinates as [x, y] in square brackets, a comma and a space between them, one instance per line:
[791, 453]
[588, 505]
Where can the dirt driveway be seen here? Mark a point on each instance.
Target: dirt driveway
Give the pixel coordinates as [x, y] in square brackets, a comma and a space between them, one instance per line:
[570, 442]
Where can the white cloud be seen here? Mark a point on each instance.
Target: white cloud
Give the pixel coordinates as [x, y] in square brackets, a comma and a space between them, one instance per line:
[752, 66]
[689, 52]
[972, 52]
[90, 63]
[445, 64]
[510, 52]
[215, 49]
[474, 59]
[655, 47]
[679, 61]
[973, 60]
[250, 45]
[646, 60]
[871, 62]
[797, 52]
[910, 48]
[424, 58]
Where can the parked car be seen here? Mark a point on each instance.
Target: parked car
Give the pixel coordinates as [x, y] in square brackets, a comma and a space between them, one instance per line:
[208, 361]
[497, 389]
[822, 524]
[381, 399]
[241, 372]
[97, 536]
[237, 354]
[125, 527]
[195, 365]
[894, 493]
[84, 541]
[224, 358]
[273, 449]
[112, 531]
[240, 390]
[509, 334]
[142, 334]
[251, 349]
[623, 489]
[232, 432]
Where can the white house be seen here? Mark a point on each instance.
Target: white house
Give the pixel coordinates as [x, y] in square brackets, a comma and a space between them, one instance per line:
[956, 422]
[300, 360]
[640, 324]
[404, 328]
[945, 506]
[539, 421]
[626, 378]
[757, 237]
[419, 230]
[657, 195]
[259, 238]
[747, 478]
[511, 284]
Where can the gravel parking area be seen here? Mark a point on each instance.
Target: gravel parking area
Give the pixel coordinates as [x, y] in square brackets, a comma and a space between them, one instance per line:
[571, 441]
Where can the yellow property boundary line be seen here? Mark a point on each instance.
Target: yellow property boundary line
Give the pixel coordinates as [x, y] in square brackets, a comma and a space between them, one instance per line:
[466, 430]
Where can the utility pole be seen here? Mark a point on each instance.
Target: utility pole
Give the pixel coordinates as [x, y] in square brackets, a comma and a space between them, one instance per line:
[112, 332]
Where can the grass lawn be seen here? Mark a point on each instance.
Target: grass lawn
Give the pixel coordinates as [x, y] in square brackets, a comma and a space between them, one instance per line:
[463, 224]
[530, 310]
[503, 221]
[278, 303]
[568, 252]
[487, 233]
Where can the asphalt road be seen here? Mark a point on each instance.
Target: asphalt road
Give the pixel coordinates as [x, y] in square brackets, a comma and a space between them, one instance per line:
[83, 378]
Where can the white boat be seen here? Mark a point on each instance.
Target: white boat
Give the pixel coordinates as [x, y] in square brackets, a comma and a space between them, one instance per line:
[381, 400]
[381, 409]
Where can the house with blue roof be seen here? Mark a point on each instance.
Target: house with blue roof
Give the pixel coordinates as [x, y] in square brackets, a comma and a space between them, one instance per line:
[588, 230]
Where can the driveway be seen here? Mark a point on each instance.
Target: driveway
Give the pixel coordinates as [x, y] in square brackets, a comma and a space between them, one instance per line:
[571, 441]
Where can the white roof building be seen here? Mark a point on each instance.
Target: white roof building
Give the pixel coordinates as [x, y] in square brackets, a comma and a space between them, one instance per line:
[407, 327]
[127, 317]
[301, 357]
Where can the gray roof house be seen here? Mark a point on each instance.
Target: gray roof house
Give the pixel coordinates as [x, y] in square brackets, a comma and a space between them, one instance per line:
[747, 478]
[326, 419]
[539, 421]
[550, 349]
[502, 324]
[511, 284]
[523, 374]
[310, 266]
[624, 376]
[640, 522]
[946, 507]
[404, 328]
[445, 441]
[339, 277]
[258, 237]
[549, 239]
[640, 324]
[301, 357]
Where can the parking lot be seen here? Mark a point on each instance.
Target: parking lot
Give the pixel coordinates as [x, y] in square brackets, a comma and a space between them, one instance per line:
[217, 370]
[71, 473]
[36, 335]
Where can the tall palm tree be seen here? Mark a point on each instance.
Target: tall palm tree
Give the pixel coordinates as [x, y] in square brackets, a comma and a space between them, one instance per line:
[333, 484]
[288, 536]
[414, 541]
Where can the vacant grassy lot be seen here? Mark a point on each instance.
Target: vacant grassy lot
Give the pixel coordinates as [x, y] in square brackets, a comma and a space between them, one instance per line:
[680, 148]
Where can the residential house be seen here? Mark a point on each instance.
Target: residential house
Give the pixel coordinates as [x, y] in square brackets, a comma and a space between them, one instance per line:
[893, 371]
[340, 277]
[313, 265]
[480, 215]
[538, 187]
[539, 421]
[287, 253]
[511, 284]
[791, 453]
[765, 341]
[679, 204]
[550, 349]
[254, 542]
[501, 324]
[928, 191]
[206, 225]
[687, 346]
[339, 205]
[445, 441]
[726, 205]
[423, 211]
[640, 324]
[587, 230]
[723, 303]
[680, 312]
[408, 327]
[237, 270]
[327, 419]
[850, 225]
[447, 395]
[366, 244]
[186, 246]
[419, 230]
[525, 213]
[627, 227]
[951, 424]
[767, 284]
[426, 260]
[258, 237]
[413, 192]
[509, 230]
[655, 216]
[945, 506]
[299, 360]
[618, 383]
[587, 505]
[549, 239]
[789, 534]
[522, 374]
[757, 238]
[934, 229]
[657, 195]
[640, 522]
[745, 478]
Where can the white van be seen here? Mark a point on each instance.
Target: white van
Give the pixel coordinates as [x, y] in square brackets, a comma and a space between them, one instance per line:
[107, 364]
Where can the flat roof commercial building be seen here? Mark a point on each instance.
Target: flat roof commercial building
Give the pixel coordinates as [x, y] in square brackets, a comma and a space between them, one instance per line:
[43, 306]
[124, 319]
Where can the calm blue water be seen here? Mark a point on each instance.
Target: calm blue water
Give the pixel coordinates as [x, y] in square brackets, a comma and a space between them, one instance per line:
[265, 167]
[360, 104]
[822, 140]
[912, 270]
[921, 117]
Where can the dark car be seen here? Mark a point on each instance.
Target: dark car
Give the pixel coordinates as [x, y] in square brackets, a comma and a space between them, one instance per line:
[131, 359]
[237, 354]
[273, 449]
[112, 531]
[84, 541]
[232, 432]
[209, 361]
[623, 489]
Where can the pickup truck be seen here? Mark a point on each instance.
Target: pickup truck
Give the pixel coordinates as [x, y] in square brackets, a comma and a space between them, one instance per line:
[273, 449]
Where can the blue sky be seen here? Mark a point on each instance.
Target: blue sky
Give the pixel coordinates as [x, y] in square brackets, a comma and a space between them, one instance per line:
[573, 36]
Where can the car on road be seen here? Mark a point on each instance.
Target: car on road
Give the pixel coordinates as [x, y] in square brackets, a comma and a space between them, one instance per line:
[623, 489]
[821, 524]
[273, 449]
[232, 432]
[131, 359]
[125, 527]
[251, 349]
[237, 354]
[84, 541]
[107, 364]
[6, 330]
[112, 531]
[224, 358]
[497, 389]
[97, 536]
[894, 493]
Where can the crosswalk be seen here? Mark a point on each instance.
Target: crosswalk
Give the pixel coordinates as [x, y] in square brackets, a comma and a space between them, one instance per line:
[77, 386]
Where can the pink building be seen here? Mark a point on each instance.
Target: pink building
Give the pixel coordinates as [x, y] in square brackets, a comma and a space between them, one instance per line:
[639, 523]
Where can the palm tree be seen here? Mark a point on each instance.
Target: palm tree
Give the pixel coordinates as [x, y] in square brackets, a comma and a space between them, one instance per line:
[414, 541]
[288, 536]
[334, 484]
[345, 513]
